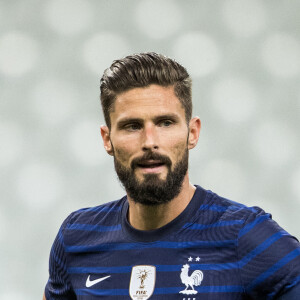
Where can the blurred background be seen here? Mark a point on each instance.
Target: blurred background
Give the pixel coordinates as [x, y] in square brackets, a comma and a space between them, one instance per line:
[244, 58]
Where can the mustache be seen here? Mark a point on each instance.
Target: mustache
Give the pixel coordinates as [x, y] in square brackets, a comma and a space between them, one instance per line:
[151, 156]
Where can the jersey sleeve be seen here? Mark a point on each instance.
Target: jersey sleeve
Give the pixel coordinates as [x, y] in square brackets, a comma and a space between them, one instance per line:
[58, 285]
[292, 294]
[269, 257]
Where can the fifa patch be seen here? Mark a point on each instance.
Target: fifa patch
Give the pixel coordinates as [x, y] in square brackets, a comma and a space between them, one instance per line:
[142, 282]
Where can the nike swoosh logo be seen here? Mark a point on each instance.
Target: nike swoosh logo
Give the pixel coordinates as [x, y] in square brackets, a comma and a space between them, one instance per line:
[90, 283]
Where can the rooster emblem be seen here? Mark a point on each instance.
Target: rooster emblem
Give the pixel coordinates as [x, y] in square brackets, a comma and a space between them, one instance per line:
[190, 281]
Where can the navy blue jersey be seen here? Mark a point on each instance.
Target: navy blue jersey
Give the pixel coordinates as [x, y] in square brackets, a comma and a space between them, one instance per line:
[215, 249]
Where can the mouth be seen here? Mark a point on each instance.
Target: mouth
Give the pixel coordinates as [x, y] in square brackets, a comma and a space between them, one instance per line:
[151, 166]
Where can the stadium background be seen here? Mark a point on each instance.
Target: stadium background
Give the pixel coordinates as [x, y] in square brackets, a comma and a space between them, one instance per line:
[244, 58]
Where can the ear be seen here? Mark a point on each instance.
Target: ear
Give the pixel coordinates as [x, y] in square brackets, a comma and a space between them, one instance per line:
[194, 132]
[106, 139]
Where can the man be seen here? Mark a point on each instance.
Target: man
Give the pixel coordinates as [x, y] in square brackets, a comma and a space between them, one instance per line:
[167, 238]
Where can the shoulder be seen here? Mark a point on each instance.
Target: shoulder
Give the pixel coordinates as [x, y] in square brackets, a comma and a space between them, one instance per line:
[96, 218]
[267, 255]
[251, 223]
[85, 224]
[96, 213]
[231, 210]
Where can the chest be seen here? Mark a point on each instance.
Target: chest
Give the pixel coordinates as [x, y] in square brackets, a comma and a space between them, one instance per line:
[156, 271]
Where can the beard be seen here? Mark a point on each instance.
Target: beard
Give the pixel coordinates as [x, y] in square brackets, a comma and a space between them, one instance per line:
[153, 190]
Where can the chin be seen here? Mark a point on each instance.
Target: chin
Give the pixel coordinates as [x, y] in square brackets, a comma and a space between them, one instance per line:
[153, 177]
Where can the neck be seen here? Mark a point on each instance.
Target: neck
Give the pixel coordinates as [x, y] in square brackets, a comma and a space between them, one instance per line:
[144, 217]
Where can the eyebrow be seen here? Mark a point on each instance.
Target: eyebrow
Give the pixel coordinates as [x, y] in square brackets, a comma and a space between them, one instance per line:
[125, 121]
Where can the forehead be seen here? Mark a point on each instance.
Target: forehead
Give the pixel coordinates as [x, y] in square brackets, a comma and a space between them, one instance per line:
[142, 102]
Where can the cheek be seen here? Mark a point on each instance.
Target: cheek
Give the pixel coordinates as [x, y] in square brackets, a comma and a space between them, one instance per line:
[122, 154]
[178, 149]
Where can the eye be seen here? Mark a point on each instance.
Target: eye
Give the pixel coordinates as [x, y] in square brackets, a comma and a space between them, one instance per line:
[166, 123]
[132, 126]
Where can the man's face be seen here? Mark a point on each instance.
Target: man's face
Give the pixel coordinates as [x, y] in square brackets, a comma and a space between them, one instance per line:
[149, 142]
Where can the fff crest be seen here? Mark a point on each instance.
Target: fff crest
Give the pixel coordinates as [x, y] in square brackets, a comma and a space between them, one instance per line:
[142, 282]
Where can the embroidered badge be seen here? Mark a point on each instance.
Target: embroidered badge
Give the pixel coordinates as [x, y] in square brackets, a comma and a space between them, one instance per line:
[142, 282]
[190, 281]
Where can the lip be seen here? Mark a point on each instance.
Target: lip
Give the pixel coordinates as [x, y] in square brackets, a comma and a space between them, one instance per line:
[150, 162]
[151, 166]
[152, 170]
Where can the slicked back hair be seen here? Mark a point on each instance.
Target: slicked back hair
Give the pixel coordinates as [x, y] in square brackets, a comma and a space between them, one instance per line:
[142, 70]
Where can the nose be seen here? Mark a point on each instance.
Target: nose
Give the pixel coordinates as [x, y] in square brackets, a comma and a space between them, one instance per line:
[150, 138]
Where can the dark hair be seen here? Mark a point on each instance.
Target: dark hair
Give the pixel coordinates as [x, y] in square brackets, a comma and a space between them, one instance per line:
[141, 70]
